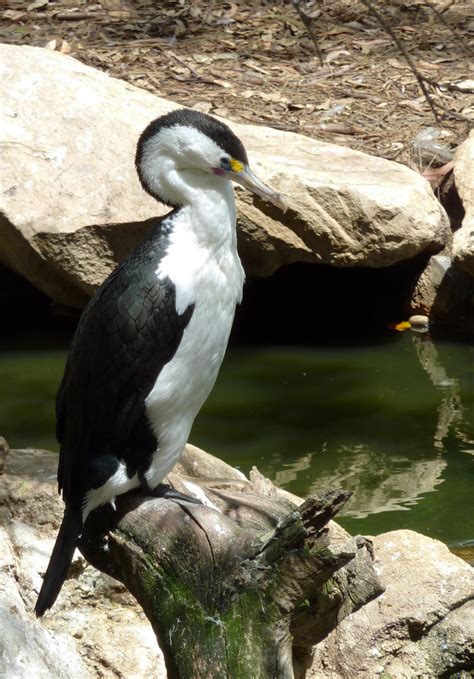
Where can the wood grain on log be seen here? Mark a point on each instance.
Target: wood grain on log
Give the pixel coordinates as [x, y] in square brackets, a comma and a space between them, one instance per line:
[234, 589]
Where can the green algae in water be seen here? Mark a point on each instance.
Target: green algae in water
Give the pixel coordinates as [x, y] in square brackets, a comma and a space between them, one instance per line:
[392, 422]
[29, 381]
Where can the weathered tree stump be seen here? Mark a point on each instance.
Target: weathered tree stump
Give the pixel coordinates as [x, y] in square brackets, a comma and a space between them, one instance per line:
[243, 589]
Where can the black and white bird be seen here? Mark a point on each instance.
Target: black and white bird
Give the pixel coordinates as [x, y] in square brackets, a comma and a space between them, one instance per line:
[150, 342]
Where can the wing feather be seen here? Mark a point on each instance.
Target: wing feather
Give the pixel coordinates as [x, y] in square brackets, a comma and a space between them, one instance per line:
[127, 333]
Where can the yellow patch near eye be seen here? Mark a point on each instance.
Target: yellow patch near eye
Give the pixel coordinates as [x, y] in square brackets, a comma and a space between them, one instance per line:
[236, 165]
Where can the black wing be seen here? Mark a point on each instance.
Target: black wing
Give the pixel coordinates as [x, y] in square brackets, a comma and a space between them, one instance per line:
[129, 330]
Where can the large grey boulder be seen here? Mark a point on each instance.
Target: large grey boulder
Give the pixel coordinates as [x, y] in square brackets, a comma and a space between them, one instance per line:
[72, 205]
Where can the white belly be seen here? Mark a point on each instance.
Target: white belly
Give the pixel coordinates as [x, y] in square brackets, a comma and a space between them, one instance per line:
[214, 286]
[184, 383]
[203, 265]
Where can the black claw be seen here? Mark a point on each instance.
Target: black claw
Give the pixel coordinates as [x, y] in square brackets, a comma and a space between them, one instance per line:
[169, 493]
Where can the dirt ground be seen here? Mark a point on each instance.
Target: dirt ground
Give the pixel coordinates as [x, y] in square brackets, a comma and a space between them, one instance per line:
[253, 61]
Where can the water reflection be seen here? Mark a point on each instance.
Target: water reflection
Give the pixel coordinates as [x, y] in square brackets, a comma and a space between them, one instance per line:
[392, 422]
[450, 410]
[380, 482]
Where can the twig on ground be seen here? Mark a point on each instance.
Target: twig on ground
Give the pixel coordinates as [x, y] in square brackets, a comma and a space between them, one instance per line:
[381, 19]
[308, 22]
[441, 18]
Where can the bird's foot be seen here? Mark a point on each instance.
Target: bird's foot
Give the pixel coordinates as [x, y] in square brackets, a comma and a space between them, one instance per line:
[166, 491]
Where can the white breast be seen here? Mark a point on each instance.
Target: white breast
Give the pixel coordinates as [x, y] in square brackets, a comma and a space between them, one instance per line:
[208, 274]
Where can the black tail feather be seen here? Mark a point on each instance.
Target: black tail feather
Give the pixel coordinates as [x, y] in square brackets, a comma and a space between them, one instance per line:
[63, 551]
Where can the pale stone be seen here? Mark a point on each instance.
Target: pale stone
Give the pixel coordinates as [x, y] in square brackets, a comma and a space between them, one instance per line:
[463, 239]
[422, 625]
[72, 205]
[95, 628]
[419, 323]
[418, 320]
[27, 648]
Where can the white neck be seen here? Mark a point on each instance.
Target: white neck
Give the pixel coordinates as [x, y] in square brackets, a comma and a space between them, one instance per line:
[208, 198]
[211, 204]
[203, 234]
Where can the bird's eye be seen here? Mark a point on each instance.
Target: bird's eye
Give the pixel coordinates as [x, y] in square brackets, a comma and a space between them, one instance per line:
[225, 164]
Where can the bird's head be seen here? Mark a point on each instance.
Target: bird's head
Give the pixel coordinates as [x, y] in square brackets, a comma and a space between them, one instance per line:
[186, 140]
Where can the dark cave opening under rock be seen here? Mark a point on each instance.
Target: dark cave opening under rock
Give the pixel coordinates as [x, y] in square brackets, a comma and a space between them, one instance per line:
[315, 303]
[21, 304]
[300, 303]
[28, 317]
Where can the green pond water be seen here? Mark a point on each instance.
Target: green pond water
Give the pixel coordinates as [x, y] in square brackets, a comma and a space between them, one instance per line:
[393, 422]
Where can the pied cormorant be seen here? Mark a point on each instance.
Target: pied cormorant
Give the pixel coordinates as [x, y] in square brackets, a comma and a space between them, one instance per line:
[149, 344]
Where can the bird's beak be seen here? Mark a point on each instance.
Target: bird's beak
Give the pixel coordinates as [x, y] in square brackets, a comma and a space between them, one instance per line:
[251, 182]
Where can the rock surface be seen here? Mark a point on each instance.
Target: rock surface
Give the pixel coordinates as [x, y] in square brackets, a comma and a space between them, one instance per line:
[28, 649]
[429, 284]
[72, 205]
[445, 289]
[420, 627]
[463, 240]
[79, 639]
[445, 292]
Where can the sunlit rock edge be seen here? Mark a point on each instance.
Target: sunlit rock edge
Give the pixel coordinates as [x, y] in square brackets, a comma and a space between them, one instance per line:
[72, 205]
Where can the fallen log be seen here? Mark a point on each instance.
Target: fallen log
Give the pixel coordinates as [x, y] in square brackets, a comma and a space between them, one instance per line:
[242, 586]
